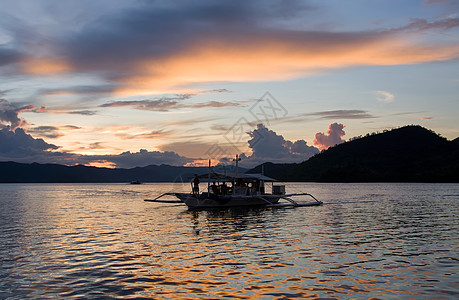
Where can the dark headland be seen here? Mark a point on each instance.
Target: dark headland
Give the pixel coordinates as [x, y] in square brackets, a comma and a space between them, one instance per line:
[407, 154]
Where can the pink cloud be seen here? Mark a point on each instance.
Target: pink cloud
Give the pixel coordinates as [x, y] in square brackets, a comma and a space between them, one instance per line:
[333, 137]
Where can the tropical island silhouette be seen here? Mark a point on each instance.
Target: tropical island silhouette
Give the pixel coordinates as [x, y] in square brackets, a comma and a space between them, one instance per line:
[406, 154]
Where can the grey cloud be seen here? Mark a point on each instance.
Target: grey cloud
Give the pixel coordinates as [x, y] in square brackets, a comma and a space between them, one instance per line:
[330, 115]
[408, 113]
[161, 29]
[342, 114]
[153, 105]
[139, 159]
[51, 131]
[8, 56]
[83, 112]
[150, 30]
[46, 131]
[80, 89]
[9, 113]
[168, 103]
[18, 144]
[96, 145]
[217, 91]
[449, 5]
[147, 135]
[268, 146]
[64, 110]
[300, 147]
[70, 127]
[161, 104]
[214, 104]
[419, 25]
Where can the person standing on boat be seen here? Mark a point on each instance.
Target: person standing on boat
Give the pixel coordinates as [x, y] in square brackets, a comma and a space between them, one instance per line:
[224, 188]
[214, 188]
[196, 184]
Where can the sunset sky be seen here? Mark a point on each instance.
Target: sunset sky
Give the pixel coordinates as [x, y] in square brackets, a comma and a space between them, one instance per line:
[133, 83]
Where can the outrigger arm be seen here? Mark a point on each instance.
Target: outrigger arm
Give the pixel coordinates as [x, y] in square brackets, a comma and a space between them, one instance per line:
[287, 197]
[261, 197]
[303, 194]
[164, 201]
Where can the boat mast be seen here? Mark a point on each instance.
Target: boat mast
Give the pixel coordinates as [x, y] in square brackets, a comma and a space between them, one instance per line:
[208, 181]
[237, 175]
[237, 164]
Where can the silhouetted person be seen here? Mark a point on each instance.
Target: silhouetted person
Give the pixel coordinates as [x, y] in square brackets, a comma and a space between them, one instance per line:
[196, 184]
[224, 188]
[214, 188]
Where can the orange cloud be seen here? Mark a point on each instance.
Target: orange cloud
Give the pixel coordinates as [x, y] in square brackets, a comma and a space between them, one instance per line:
[101, 164]
[331, 138]
[231, 53]
[274, 59]
[200, 163]
[44, 65]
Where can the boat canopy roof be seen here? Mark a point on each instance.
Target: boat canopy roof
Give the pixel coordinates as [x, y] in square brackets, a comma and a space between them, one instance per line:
[231, 176]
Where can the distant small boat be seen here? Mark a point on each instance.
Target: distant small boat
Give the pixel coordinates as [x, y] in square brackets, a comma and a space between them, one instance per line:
[234, 190]
[136, 182]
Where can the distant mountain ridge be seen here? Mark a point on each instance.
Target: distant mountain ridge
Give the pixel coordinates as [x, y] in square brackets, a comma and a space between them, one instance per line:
[12, 172]
[407, 154]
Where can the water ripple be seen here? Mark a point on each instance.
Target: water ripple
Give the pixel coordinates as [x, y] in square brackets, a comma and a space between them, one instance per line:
[381, 241]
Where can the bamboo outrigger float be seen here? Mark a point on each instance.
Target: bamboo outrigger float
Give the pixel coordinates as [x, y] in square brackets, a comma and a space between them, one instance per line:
[235, 190]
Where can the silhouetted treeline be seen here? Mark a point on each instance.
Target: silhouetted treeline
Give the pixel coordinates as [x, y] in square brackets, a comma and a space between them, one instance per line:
[407, 154]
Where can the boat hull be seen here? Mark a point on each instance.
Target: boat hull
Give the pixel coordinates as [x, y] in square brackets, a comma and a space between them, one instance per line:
[205, 201]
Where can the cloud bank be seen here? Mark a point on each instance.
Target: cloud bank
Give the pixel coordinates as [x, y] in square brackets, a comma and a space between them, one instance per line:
[266, 146]
[164, 46]
[20, 146]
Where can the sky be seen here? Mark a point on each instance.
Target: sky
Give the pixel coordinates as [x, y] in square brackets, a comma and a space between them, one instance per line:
[131, 83]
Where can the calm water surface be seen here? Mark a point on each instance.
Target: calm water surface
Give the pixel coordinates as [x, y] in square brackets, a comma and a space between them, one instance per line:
[387, 241]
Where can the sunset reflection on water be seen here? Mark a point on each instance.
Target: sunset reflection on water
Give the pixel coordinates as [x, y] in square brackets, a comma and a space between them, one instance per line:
[94, 241]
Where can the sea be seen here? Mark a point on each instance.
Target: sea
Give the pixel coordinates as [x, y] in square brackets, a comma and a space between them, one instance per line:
[103, 241]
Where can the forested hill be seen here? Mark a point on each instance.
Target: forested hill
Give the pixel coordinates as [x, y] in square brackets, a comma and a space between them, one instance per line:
[407, 154]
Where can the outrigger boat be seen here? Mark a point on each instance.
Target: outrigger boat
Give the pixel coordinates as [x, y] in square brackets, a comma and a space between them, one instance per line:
[235, 190]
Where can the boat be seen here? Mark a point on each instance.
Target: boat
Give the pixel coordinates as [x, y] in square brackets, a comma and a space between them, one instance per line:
[236, 190]
[136, 182]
